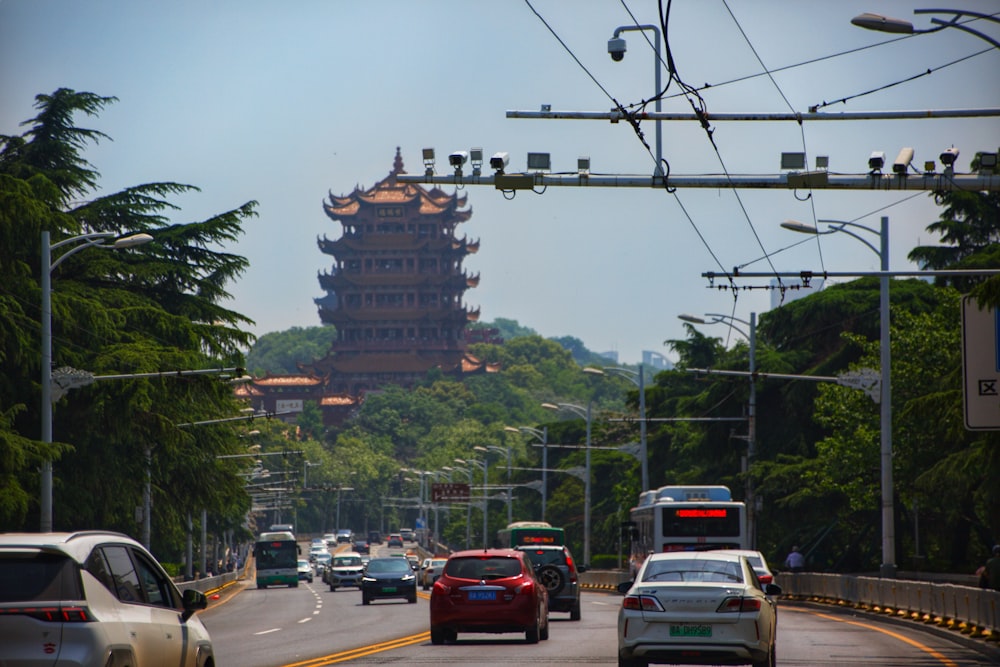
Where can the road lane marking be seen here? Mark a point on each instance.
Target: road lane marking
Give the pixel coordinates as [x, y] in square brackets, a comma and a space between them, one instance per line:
[363, 651]
[267, 632]
[895, 635]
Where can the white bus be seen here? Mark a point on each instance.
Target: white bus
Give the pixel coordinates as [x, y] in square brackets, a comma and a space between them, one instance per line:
[686, 518]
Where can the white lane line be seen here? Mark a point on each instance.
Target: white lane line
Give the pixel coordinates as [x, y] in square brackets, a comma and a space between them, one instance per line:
[267, 632]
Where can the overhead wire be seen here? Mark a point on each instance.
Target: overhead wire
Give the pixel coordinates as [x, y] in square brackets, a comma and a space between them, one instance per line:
[631, 119]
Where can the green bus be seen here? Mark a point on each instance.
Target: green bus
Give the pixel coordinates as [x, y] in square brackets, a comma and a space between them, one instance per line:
[277, 557]
[530, 533]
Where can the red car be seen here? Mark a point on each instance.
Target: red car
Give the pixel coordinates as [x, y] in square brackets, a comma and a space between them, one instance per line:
[490, 590]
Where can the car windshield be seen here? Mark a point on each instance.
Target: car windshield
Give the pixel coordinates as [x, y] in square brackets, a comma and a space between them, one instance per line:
[346, 561]
[303, 563]
[721, 571]
[489, 567]
[387, 565]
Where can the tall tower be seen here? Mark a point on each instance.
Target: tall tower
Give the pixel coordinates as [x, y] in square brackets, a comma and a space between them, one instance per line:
[396, 286]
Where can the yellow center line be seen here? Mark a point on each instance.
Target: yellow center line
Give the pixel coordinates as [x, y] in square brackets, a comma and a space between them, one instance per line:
[363, 651]
[895, 635]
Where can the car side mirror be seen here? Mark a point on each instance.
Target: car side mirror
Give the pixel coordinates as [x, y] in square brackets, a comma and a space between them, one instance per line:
[624, 587]
[193, 601]
[772, 589]
[581, 568]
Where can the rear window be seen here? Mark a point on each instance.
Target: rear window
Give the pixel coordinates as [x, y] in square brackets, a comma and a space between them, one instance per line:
[492, 567]
[717, 571]
[541, 557]
[38, 577]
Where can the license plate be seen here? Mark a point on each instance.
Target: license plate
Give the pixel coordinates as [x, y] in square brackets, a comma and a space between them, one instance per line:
[388, 589]
[690, 630]
[482, 595]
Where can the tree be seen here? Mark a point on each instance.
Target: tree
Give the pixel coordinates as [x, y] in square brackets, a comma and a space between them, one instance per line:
[150, 309]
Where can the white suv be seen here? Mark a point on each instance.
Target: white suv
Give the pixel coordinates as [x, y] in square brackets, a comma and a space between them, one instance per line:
[94, 598]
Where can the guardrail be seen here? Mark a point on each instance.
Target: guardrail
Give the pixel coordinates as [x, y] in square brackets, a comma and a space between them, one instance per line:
[971, 611]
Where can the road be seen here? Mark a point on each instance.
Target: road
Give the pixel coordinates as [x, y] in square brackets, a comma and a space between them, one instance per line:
[310, 626]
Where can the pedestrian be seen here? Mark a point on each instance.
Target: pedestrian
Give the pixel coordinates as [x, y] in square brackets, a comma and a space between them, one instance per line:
[795, 561]
[992, 571]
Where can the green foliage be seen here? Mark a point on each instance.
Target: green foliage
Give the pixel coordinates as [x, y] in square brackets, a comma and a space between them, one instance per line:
[150, 309]
[280, 352]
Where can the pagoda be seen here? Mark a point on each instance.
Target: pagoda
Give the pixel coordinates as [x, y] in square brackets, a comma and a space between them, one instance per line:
[395, 290]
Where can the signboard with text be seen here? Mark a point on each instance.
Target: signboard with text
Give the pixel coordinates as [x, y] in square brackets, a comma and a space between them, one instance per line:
[288, 405]
[981, 366]
[449, 492]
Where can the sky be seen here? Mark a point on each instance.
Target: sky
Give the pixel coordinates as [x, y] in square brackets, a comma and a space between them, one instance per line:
[286, 102]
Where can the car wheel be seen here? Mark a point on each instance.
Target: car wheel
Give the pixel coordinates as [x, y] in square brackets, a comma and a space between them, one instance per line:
[364, 599]
[574, 613]
[424, 586]
[296, 584]
[532, 634]
[768, 661]
[437, 636]
[543, 634]
[552, 578]
[412, 599]
[262, 586]
[332, 588]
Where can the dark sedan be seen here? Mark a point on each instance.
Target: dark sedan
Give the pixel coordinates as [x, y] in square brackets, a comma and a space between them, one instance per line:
[388, 578]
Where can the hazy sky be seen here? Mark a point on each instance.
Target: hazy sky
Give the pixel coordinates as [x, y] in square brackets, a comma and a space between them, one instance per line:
[285, 102]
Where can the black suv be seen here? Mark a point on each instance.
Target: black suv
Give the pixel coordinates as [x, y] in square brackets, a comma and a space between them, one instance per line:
[559, 573]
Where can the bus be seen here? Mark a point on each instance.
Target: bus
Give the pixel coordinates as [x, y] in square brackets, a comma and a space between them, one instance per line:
[530, 533]
[277, 558]
[686, 518]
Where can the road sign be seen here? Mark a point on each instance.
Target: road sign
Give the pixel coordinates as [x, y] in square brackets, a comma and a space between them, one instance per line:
[450, 492]
[981, 366]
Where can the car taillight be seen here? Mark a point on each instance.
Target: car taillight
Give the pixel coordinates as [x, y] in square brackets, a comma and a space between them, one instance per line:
[570, 565]
[527, 587]
[641, 603]
[739, 604]
[56, 614]
[765, 578]
[441, 588]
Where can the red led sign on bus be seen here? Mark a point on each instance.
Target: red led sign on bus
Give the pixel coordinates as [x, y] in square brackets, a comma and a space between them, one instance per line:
[537, 539]
[702, 513]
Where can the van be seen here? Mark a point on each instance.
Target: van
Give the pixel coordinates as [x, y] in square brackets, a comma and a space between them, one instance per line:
[374, 537]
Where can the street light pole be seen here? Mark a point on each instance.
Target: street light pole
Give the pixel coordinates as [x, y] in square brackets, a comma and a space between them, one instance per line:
[888, 567]
[586, 413]
[887, 24]
[94, 240]
[637, 378]
[543, 437]
[751, 437]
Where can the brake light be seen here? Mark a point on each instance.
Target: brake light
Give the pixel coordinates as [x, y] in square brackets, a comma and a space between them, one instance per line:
[570, 564]
[739, 604]
[765, 578]
[641, 603]
[526, 587]
[56, 614]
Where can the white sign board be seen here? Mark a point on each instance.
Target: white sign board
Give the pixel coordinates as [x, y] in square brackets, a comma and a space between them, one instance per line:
[981, 366]
[288, 406]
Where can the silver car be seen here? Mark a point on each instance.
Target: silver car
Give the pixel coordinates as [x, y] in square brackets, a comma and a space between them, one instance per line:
[690, 607]
[94, 598]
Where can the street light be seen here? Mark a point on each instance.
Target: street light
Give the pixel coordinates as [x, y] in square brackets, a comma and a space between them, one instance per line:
[888, 568]
[543, 437]
[94, 240]
[502, 450]
[887, 24]
[586, 413]
[485, 465]
[616, 47]
[468, 504]
[751, 437]
[636, 378]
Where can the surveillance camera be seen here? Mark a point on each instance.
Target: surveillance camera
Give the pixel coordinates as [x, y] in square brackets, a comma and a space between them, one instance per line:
[458, 158]
[876, 161]
[949, 156]
[903, 160]
[616, 47]
[499, 161]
